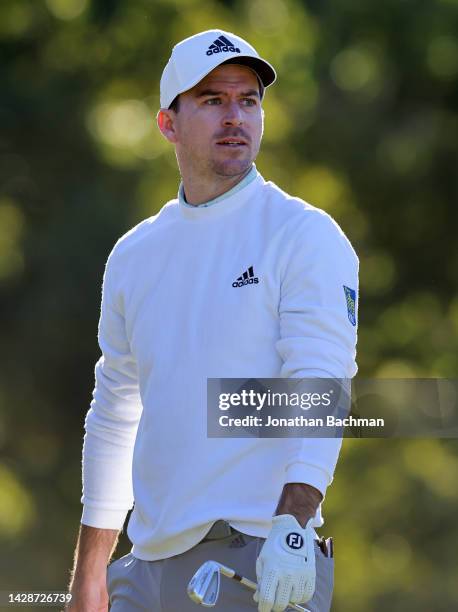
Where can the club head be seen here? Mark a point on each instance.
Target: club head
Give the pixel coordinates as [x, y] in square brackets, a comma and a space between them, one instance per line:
[203, 588]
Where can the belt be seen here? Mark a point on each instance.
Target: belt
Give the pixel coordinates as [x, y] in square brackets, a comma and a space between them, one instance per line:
[219, 530]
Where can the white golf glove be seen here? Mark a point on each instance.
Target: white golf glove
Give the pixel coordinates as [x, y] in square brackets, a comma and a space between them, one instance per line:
[285, 567]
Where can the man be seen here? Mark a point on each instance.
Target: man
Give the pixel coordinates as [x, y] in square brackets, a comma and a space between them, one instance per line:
[175, 314]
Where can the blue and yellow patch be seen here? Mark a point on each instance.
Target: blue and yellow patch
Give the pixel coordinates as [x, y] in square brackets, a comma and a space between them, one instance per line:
[350, 297]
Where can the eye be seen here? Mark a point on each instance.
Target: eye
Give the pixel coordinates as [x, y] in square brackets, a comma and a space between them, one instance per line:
[249, 101]
[212, 101]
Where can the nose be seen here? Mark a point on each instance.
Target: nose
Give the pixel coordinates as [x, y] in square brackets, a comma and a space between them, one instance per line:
[234, 114]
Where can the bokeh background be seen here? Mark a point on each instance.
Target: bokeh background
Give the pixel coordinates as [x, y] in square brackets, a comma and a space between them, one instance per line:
[362, 123]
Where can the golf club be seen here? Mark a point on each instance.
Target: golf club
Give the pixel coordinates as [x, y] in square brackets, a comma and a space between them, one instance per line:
[203, 588]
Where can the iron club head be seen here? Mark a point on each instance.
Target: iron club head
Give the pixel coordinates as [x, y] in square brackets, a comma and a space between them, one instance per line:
[203, 588]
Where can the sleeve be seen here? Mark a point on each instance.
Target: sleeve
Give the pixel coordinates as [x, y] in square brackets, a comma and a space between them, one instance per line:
[318, 331]
[112, 420]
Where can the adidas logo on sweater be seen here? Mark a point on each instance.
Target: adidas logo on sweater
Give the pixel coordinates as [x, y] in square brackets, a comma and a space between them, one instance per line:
[247, 278]
[222, 45]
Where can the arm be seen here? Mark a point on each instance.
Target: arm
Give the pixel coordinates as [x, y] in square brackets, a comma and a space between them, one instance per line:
[112, 421]
[317, 334]
[88, 578]
[300, 500]
[111, 425]
[317, 340]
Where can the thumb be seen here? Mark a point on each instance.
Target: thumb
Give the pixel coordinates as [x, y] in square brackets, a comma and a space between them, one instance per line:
[259, 568]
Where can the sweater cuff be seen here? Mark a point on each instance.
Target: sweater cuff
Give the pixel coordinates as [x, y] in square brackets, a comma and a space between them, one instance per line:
[102, 518]
[308, 474]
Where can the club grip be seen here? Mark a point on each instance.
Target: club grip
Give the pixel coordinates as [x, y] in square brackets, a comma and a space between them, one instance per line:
[253, 586]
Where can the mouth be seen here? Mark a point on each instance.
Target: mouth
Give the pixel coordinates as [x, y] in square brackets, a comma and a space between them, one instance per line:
[232, 142]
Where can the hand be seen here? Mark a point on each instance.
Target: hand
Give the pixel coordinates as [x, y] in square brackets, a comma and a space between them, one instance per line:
[285, 567]
[89, 595]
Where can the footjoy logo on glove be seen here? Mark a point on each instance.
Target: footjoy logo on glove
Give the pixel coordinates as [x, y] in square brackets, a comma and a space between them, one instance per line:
[294, 540]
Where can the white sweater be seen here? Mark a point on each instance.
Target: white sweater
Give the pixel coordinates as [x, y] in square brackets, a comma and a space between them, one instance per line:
[170, 318]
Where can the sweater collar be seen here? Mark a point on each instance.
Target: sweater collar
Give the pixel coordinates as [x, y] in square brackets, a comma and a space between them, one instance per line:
[230, 200]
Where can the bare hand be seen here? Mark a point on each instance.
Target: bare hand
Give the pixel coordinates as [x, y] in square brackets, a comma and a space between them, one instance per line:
[89, 595]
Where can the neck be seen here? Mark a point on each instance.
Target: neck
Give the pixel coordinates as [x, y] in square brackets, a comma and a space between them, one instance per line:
[198, 191]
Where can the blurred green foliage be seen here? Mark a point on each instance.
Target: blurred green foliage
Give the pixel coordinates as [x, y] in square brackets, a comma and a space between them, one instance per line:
[363, 119]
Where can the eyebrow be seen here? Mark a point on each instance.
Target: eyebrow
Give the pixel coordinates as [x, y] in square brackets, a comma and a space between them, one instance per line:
[213, 92]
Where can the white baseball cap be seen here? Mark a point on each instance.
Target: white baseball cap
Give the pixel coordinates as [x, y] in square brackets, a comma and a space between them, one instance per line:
[194, 57]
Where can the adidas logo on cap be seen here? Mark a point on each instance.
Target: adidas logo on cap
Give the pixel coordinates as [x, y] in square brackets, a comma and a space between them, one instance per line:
[247, 278]
[222, 45]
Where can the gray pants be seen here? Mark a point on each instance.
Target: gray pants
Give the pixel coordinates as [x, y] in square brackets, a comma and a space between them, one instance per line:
[160, 586]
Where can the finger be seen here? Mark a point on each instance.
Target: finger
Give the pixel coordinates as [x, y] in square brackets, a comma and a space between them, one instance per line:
[302, 591]
[267, 590]
[309, 590]
[283, 594]
[256, 596]
[259, 568]
[298, 590]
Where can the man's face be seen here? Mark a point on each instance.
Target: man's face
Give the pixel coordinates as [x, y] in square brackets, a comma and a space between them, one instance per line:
[219, 125]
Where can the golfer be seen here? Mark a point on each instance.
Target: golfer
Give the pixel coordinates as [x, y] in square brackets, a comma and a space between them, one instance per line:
[232, 279]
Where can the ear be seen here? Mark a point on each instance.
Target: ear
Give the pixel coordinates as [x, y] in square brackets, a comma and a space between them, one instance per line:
[166, 123]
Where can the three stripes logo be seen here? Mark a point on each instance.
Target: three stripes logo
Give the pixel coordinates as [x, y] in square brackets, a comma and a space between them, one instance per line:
[247, 278]
[222, 45]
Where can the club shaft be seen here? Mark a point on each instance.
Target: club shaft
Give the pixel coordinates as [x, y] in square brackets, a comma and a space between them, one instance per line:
[253, 586]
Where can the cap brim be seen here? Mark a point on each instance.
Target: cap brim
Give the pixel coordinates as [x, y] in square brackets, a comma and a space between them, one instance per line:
[262, 68]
